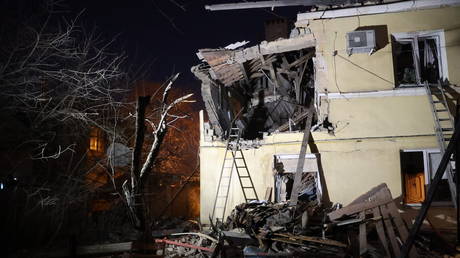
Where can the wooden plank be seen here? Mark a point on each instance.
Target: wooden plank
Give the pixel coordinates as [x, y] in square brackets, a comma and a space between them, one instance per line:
[390, 231]
[380, 230]
[301, 161]
[302, 59]
[377, 196]
[312, 239]
[402, 230]
[369, 194]
[355, 208]
[362, 234]
[398, 221]
[296, 119]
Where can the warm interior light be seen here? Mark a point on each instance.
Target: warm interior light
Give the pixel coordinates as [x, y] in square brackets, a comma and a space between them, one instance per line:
[96, 140]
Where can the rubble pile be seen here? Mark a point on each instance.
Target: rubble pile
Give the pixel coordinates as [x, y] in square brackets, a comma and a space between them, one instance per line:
[281, 229]
[187, 245]
[257, 217]
[252, 217]
[370, 226]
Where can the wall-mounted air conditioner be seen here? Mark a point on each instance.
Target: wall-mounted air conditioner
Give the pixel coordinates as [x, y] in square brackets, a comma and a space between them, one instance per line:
[361, 41]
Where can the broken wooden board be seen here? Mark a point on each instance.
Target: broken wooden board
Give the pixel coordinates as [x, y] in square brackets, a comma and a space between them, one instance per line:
[379, 203]
[356, 208]
[369, 194]
[380, 230]
[318, 240]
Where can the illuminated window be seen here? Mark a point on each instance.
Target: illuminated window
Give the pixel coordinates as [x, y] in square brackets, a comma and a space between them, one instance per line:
[96, 141]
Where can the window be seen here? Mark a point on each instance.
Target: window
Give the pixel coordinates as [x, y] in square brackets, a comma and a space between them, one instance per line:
[96, 140]
[419, 57]
[285, 166]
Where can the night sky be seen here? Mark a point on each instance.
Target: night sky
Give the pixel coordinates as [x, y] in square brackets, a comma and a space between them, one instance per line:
[166, 34]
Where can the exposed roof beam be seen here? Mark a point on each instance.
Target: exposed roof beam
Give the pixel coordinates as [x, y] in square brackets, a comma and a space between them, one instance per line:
[271, 4]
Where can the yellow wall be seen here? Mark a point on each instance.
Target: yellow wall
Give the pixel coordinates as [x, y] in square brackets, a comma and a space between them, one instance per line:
[369, 133]
[381, 116]
[351, 167]
[361, 72]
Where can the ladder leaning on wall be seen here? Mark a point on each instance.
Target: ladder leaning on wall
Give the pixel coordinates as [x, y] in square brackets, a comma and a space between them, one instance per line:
[233, 160]
[444, 128]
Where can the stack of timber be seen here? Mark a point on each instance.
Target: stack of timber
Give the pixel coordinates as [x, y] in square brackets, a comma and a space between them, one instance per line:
[375, 209]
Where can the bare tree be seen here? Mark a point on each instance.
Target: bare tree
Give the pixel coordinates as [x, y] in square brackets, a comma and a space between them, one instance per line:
[56, 84]
[159, 120]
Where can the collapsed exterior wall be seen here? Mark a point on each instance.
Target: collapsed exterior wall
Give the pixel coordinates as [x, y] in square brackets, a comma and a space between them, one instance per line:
[264, 88]
[374, 120]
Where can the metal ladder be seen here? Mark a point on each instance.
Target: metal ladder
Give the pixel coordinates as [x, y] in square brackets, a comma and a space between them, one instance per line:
[444, 128]
[233, 159]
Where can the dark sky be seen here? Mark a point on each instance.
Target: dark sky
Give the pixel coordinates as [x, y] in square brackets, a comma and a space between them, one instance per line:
[162, 34]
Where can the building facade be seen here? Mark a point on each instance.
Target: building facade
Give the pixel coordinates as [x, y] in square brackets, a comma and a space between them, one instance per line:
[374, 123]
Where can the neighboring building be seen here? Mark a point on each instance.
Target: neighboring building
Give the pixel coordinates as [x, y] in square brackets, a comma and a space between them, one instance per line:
[174, 171]
[373, 121]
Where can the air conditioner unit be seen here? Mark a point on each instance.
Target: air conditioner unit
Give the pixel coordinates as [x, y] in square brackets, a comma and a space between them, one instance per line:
[361, 41]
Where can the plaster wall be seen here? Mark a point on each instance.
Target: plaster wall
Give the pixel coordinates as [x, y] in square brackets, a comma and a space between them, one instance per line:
[370, 132]
[338, 72]
[350, 166]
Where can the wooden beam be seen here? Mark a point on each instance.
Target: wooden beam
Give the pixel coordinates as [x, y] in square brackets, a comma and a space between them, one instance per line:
[300, 162]
[318, 240]
[405, 249]
[390, 230]
[362, 235]
[380, 230]
[369, 194]
[358, 207]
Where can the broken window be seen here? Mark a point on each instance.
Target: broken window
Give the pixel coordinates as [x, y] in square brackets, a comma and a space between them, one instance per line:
[285, 167]
[417, 58]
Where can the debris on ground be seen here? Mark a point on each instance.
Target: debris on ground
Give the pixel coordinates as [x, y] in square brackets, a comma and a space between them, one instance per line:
[370, 226]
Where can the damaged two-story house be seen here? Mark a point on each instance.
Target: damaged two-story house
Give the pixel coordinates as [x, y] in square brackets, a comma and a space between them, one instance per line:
[379, 77]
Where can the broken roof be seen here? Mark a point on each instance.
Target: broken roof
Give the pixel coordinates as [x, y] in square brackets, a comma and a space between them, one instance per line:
[226, 65]
[263, 88]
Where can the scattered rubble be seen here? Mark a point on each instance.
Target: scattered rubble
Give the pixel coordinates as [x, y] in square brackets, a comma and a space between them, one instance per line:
[369, 226]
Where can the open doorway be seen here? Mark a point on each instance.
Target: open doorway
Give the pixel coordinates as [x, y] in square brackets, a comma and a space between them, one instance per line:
[418, 168]
[413, 175]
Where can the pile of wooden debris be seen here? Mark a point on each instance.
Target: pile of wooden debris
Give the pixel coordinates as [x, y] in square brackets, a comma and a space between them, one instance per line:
[371, 226]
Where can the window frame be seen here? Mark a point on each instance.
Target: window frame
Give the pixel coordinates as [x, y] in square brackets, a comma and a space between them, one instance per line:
[98, 136]
[427, 162]
[412, 37]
